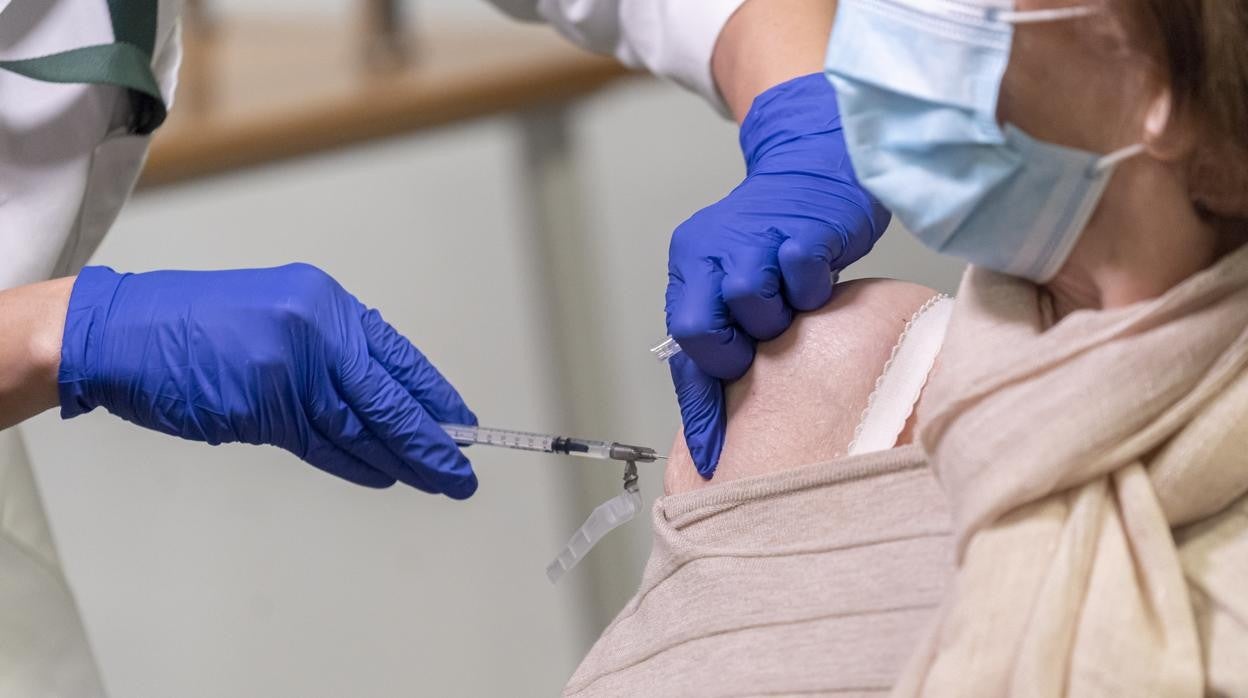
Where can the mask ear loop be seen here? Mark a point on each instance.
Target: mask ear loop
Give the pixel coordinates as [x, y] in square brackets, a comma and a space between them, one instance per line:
[1117, 157]
[1056, 14]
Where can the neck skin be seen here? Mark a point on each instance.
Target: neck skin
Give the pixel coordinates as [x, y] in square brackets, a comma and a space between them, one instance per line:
[1144, 238]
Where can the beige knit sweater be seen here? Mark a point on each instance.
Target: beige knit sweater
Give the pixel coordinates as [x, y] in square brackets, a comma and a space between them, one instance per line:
[813, 581]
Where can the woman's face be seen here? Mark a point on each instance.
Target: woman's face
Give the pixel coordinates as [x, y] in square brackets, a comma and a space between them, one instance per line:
[1077, 82]
[1088, 84]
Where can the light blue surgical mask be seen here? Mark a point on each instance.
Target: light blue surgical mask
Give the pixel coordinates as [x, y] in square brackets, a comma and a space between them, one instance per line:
[918, 82]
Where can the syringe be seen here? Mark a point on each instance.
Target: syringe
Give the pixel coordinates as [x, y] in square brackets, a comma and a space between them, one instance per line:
[550, 443]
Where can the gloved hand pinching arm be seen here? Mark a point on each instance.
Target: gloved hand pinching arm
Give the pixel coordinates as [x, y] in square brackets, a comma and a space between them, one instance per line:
[281, 356]
[740, 268]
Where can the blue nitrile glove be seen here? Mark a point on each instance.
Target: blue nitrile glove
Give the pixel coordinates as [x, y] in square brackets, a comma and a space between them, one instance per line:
[739, 268]
[281, 356]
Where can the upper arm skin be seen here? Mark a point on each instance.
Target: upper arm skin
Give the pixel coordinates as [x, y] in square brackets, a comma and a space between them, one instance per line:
[805, 394]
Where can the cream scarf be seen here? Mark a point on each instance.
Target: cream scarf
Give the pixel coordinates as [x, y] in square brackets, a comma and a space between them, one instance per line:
[1096, 469]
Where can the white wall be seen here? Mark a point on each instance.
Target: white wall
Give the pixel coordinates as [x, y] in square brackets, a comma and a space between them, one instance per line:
[239, 571]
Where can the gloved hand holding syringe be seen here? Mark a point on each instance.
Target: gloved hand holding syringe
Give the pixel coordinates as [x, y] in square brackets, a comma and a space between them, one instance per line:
[607, 516]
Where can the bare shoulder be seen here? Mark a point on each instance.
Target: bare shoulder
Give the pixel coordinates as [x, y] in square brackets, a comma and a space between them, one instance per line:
[803, 397]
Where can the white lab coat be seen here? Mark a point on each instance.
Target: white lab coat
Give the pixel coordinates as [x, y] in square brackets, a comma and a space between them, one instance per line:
[670, 38]
[66, 168]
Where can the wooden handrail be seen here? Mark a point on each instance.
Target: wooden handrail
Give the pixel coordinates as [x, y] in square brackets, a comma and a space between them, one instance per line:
[254, 92]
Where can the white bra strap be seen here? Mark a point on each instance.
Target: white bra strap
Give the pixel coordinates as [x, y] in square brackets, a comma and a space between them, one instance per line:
[898, 388]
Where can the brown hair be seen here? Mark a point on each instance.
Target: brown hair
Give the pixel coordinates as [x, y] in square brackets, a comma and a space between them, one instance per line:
[1202, 47]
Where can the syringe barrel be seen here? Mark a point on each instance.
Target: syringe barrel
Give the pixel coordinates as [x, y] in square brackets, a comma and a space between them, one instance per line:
[466, 434]
[506, 438]
[460, 433]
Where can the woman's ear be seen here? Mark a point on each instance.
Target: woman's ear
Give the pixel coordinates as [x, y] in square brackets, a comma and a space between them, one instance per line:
[1157, 118]
[1168, 136]
[1215, 168]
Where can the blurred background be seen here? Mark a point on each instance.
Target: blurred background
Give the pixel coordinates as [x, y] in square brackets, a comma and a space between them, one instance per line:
[506, 201]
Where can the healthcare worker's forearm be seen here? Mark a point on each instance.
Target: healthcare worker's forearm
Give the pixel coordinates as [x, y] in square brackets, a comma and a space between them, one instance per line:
[33, 319]
[767, 42]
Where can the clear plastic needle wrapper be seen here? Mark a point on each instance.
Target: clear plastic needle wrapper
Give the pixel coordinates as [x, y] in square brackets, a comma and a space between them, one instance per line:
[606, 517]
